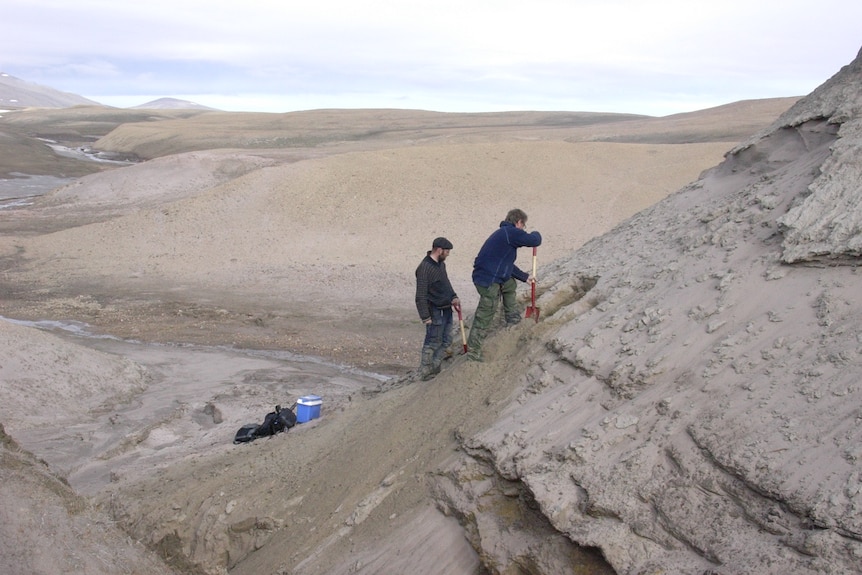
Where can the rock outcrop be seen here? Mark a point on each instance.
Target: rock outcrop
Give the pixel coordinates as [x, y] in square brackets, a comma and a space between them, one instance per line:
[825, 224]
[692, 399]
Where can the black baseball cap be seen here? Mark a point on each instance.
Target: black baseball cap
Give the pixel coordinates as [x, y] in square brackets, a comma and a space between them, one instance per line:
[442, 243]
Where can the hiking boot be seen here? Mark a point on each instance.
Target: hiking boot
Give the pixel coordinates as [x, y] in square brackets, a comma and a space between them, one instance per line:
[474, 357]
[429, 373]
[513, 320]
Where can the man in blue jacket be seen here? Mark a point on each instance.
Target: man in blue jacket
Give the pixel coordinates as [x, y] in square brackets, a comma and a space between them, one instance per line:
[494, 275]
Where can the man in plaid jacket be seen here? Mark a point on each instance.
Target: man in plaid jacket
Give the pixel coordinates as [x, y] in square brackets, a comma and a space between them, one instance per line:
[434, 300]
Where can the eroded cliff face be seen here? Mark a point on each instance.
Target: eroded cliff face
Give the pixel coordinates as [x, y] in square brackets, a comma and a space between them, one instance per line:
[824, 223]
[692, 400]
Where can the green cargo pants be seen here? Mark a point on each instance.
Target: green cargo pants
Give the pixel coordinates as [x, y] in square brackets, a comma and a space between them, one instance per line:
[487, 309]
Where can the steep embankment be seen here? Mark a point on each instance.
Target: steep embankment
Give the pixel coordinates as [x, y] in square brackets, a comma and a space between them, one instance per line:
[349, 493]
[693, 403]
[45, 527]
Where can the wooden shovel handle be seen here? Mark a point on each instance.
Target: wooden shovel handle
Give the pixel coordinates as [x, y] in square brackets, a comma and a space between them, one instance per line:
[534, 262]
[461, 321]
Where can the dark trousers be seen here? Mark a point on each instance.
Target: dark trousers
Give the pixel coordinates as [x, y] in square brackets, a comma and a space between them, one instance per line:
[438, 336]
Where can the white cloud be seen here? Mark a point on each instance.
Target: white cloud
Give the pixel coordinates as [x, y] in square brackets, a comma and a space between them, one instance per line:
[622, 55]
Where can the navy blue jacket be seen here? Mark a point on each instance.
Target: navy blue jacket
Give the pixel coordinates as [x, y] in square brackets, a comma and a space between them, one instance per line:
[496, 260]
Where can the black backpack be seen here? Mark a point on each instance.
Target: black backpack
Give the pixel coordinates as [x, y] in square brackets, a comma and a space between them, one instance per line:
[246, 433]
[274, 422]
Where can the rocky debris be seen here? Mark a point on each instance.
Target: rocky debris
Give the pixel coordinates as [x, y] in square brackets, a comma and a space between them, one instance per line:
[503, 522]
[45, 527]
[696, 410]
[825, 223]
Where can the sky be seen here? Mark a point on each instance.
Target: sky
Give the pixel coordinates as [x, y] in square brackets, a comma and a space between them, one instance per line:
[654, 57]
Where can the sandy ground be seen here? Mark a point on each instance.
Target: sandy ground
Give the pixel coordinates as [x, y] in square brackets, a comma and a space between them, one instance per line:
[291, 256]
[203, 288]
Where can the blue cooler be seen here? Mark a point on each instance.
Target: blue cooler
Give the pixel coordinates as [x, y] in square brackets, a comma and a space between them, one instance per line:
[308, 408]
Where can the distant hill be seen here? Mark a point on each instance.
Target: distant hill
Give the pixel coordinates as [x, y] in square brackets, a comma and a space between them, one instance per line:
[172, 104]
[16, 93]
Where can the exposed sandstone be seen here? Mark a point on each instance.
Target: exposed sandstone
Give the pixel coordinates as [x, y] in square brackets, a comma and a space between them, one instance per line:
[697, 410]
[688, 402]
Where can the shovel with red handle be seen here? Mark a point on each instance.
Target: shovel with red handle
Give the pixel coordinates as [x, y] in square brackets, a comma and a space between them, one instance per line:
[461, 321]
[532, 310]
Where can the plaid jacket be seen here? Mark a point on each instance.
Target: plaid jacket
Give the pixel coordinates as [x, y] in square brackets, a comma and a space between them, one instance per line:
[432, 287]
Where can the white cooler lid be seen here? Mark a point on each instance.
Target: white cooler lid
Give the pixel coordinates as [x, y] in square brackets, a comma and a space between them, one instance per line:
[309, 400]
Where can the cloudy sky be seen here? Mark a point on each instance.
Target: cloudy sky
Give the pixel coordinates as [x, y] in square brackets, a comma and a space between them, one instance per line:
[653, 57]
